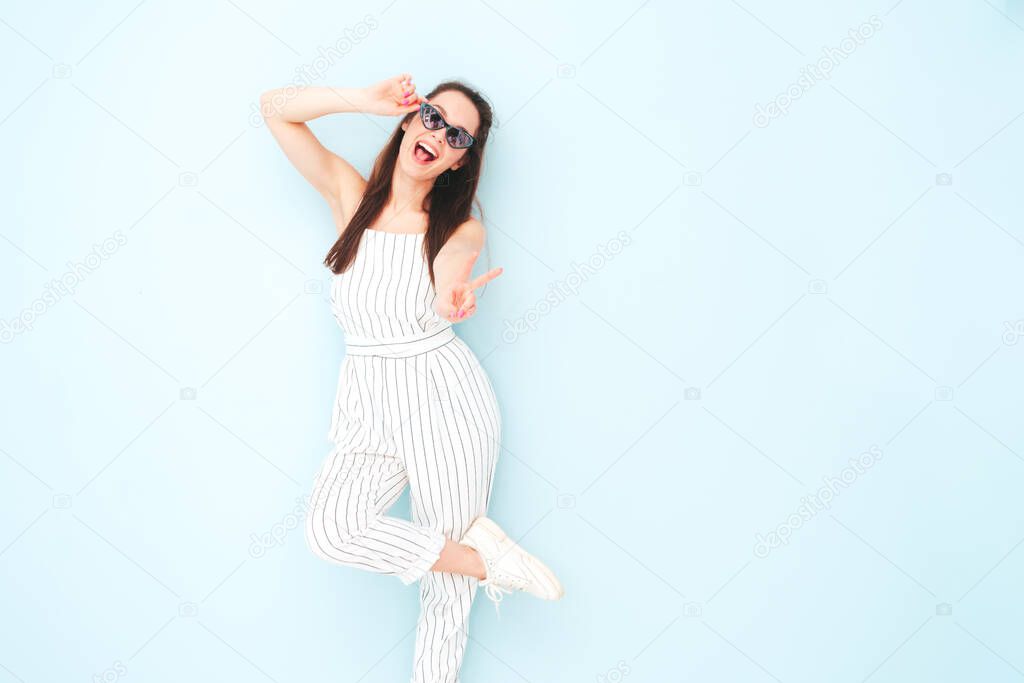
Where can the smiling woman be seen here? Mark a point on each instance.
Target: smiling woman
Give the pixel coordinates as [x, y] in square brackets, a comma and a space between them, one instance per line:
[414, 406]
[425, 153]
[445, 204]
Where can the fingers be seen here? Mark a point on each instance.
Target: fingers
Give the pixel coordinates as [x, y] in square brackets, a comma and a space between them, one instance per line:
[461, 299]
[408, 98]
[458, 302]
[467, 270]
[486, 277]
[468, 302]
[455, 298]
[453, 314]
[461, 315]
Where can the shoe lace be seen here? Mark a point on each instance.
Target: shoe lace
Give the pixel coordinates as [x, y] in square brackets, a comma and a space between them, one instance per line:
[496, 593]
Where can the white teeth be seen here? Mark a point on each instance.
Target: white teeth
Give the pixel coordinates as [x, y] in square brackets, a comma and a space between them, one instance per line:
[429, 149]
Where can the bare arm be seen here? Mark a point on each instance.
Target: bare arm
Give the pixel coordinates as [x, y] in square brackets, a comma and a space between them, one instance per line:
[333, 177]
[456, 299]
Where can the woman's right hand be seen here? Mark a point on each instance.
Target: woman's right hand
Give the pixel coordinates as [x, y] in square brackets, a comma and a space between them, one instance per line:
[392, 97]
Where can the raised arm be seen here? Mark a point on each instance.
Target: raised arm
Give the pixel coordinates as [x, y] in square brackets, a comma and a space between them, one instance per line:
[333, 177]
[456, 298]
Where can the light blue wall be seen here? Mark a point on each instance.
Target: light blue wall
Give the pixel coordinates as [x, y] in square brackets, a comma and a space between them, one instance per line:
[790, 290]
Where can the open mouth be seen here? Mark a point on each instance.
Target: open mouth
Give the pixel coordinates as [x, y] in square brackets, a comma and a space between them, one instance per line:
[424, 153]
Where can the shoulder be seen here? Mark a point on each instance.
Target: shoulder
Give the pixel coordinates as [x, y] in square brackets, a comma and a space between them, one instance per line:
[471, 232]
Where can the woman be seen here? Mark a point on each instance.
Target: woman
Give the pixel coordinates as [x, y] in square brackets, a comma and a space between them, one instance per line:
[414, 406]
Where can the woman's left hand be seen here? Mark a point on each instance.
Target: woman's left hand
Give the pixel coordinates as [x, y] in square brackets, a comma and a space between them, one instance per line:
[458, 303]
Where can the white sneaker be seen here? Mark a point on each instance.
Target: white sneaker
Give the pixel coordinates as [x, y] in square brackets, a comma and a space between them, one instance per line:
[509, 567]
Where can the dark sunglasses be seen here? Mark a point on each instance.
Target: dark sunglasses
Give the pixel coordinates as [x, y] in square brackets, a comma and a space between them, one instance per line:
[457, 137]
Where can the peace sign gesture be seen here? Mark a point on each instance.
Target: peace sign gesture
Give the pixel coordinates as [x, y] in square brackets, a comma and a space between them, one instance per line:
[457, 302]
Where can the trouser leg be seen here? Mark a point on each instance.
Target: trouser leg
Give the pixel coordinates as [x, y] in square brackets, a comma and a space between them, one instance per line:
[346, 522]
[451, 479]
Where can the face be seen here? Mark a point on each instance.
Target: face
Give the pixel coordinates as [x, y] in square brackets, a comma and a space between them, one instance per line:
[457, 110]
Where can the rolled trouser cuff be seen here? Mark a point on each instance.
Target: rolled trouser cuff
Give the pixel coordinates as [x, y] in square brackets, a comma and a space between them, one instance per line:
[425, 561]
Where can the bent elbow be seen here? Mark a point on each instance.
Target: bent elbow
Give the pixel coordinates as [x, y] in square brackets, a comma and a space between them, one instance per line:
[267, 106]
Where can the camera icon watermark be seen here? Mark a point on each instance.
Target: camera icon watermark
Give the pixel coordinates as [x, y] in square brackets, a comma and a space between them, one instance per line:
[944, 609]
[566, 71]
[566, 501]
[944, 179]
[817, 287]
[692, 610]
[943, 393]
[313, 286]
[188, 179]
[187, 394]
[188, 610]
[62, 501]
[691, 394]
[61, 71]
[693, 178]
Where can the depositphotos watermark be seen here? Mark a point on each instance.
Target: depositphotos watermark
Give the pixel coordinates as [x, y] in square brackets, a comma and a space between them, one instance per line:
[60, 287]
[1013, 332]
[114, 672]
[307, 74]
[811, 74]
[568, 286]
[275, 536]
[820, 500]
[616, 673]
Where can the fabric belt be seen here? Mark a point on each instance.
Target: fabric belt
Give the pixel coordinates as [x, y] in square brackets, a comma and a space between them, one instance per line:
[398, 347]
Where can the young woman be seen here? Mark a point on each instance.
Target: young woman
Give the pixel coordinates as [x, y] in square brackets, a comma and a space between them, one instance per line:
[414, 406]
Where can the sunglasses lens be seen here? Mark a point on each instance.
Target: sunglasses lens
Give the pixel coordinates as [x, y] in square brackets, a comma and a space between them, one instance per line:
[459, 138]
[432, 118]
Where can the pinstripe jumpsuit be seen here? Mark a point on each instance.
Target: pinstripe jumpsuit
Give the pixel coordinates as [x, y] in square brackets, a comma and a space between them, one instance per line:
[413, 406]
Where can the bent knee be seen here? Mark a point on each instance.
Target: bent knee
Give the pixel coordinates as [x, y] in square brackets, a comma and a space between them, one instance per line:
[328, 534]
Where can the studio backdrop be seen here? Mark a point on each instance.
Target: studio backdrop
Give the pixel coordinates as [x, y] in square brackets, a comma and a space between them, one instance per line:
[758, 343]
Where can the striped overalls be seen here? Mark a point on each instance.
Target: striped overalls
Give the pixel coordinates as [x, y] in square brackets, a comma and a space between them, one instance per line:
[413, 406]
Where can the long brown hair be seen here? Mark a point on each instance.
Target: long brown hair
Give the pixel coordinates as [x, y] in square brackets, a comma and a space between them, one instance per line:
[448, 204]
